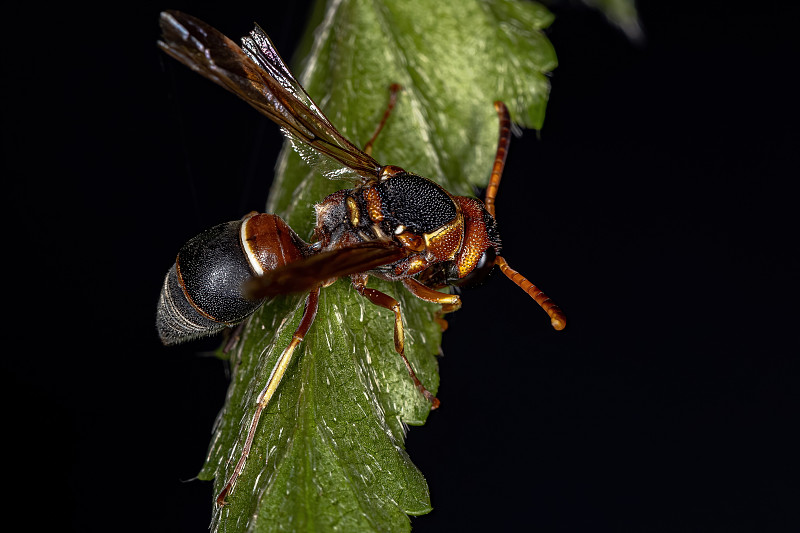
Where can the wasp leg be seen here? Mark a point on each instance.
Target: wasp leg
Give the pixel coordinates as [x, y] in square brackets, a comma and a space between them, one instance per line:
[449, 302]
[393, 90]
[232, 337]
[387, 302]
[310, 312]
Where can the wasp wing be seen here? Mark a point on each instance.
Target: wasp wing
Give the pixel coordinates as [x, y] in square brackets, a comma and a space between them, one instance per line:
[259, 76]
[316, 270]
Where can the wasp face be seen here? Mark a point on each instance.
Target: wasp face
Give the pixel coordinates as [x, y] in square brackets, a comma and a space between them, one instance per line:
[476, 256]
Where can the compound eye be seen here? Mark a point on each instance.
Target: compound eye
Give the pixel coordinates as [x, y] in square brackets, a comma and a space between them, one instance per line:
[481, 270]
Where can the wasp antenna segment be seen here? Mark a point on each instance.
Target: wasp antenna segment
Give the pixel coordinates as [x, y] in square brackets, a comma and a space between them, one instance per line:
[503, 141]
[557, 318]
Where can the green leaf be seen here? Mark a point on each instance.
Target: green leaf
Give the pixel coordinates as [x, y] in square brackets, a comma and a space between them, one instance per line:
[622, 14]
[329, 450]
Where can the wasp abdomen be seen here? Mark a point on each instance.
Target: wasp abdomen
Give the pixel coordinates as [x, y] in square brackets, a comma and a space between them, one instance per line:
[269, 242]
[212, 268]
[177, 320]
[202, 292]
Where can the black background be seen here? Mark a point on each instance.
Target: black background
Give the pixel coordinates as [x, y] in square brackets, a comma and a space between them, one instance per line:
[656, 207]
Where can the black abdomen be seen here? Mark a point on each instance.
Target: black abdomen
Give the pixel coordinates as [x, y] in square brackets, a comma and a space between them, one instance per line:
[213, 268]
[202, 291]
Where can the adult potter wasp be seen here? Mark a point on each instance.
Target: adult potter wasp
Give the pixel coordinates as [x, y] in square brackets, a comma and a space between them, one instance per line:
[392, 224]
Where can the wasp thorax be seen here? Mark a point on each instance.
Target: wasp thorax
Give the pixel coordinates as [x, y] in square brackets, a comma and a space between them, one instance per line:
[416, 203]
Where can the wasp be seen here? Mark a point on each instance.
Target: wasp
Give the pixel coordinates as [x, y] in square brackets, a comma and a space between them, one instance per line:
[392, 224]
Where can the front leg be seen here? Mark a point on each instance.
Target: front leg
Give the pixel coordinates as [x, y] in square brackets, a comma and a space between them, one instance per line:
[387, 302]
[449, 302]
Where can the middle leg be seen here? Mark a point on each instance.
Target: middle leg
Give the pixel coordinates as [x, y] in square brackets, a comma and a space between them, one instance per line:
[387, 302]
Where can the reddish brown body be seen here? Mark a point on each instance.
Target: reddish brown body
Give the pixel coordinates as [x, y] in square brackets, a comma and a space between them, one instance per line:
[270, 242]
